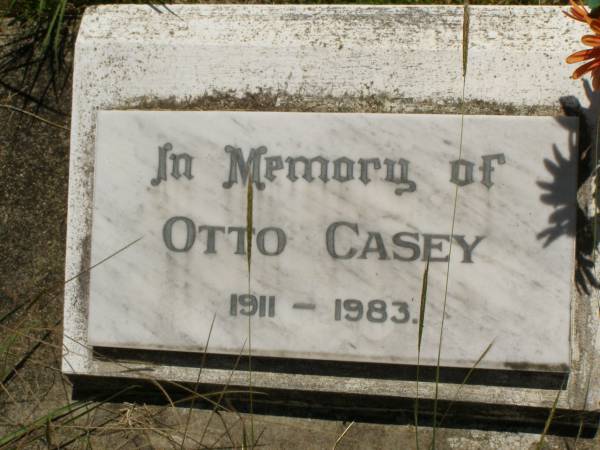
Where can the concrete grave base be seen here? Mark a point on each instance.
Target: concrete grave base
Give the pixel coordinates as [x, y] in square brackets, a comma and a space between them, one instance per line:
[330, 59]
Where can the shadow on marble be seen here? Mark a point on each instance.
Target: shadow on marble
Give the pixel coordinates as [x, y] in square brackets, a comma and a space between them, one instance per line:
[581, 157]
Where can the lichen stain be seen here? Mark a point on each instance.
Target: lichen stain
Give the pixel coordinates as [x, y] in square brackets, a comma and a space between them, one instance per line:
[272, 100]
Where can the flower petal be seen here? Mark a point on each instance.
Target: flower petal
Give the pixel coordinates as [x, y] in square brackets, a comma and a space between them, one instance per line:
[582, 70]
[594, 25]
[573, 16]
[591, 40]
[577, 12]
[583, 55]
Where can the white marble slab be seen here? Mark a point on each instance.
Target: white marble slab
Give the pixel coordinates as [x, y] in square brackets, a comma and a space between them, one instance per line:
[512, 287]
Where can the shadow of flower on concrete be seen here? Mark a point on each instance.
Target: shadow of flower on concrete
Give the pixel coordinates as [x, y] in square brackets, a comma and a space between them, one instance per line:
[558, 195]
[561, 194]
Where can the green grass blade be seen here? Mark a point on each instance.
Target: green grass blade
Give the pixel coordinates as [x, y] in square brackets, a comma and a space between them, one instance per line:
[341, 436]
[466, 379]
[550, 418]
[57, 31]
[225, 389]
[68, 411]
[41, 422]
[202, 364]
[41, 6]
[244, 437]
[419, 339]
[579, 432]
[102, 261]
[249, 223]
[249, 226]
[422, 307]
[465, 56]
[5, 347]
[465, 36]
[11, 6]
[51, 27]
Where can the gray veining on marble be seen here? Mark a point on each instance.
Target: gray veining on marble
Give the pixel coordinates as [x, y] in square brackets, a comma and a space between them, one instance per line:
[515, 291]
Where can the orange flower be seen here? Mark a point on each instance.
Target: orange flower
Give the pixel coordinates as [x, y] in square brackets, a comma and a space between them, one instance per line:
[579, 13]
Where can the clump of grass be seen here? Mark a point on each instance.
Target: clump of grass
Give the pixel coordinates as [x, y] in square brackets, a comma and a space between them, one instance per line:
[34, 63]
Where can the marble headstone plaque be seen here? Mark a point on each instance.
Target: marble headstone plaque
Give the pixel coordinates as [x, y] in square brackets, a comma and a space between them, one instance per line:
[346, 211]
